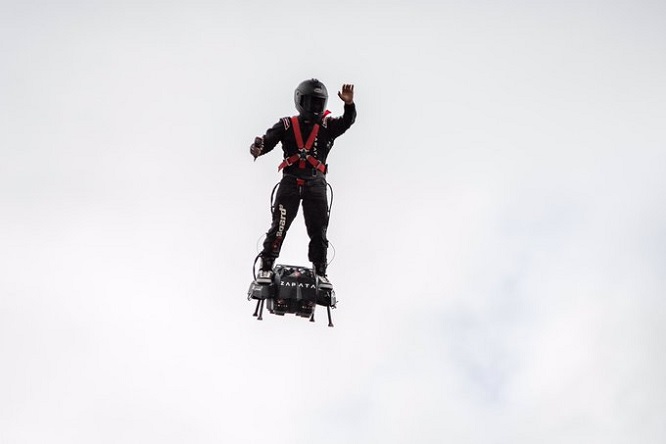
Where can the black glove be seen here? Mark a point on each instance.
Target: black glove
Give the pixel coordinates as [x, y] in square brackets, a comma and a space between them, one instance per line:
[257, 147]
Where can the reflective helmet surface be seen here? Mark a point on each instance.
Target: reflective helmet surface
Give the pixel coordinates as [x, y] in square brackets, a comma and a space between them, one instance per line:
[310, 98]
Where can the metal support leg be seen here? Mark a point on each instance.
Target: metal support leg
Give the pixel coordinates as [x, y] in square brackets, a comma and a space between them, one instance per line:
[330, 321]
[261, 309]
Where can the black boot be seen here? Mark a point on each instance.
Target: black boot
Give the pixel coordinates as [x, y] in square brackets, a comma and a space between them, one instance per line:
[322, 281]
[265, 275]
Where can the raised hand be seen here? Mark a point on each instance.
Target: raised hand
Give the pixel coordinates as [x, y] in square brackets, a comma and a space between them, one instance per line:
[347, 94]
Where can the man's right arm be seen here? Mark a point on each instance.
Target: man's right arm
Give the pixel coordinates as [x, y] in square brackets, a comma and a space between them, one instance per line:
[267, 142]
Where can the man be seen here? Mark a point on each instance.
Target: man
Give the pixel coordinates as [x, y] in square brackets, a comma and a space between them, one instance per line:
[306, 141]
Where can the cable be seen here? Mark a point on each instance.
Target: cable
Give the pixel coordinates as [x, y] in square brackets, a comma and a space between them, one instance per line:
[254, 266]
[330, 206]
[273, 197]
[256, 246]
[333, 247]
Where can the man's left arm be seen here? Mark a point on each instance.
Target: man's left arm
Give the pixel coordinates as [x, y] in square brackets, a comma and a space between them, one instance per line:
[338, 125]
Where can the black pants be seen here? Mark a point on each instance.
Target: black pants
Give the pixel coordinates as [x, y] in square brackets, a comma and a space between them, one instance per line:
[290, 193]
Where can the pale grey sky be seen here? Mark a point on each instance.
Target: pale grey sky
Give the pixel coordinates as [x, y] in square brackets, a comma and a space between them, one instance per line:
[498, 222]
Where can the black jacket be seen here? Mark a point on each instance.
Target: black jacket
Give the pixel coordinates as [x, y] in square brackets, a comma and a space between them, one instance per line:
[330, 128]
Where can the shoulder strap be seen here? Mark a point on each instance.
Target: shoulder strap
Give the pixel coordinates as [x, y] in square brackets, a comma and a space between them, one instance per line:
[313, 135]
[297, 132]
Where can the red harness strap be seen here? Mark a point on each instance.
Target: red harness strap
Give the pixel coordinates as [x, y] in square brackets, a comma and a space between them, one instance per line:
[303, 148]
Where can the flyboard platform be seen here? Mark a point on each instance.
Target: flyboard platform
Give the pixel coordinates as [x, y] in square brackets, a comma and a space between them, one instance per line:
[294, 289]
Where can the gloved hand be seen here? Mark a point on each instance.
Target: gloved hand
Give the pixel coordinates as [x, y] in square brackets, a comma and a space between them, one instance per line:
[257, 147]
[347, 94]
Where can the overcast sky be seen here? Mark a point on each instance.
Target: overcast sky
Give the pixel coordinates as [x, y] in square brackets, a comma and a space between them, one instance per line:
[498, 221]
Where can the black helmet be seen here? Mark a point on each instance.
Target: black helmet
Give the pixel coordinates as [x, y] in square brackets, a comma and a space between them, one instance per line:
[310, 98]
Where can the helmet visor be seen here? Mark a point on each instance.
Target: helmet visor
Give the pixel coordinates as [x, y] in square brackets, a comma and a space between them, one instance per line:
[313, 104]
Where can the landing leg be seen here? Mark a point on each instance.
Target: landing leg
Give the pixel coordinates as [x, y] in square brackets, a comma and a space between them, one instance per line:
[261, 309]
[330, 321]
